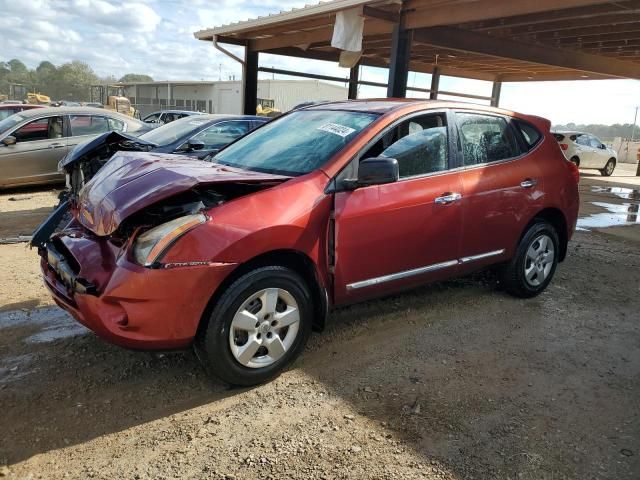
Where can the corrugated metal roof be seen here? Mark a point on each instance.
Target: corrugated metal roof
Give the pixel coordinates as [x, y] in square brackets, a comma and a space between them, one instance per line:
[321, 8]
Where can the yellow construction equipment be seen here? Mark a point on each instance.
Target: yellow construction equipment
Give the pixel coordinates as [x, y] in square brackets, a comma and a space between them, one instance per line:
[38, 99]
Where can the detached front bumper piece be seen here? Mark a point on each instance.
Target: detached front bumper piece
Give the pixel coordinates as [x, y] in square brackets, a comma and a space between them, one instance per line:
[122, 302]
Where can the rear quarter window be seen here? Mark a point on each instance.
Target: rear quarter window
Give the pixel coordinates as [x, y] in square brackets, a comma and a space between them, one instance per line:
[559, 136]
[530, 134]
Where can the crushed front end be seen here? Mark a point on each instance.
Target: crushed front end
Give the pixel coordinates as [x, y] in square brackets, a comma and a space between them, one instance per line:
[108, 268]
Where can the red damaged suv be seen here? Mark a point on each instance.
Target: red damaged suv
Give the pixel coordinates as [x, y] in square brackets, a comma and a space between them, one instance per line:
[324, 206]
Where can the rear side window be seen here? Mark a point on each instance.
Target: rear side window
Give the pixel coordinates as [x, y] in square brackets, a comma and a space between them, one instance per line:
[87, 125]
[559, 136]
[485, 138]
[530, 133]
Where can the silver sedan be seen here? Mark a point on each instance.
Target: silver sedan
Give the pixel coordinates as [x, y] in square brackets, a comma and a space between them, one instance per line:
[34, 141]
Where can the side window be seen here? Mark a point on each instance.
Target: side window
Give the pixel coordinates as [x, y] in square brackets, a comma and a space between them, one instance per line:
[87, 125]
[220, 134]
[531, 134]
[117, 125]
[41, 129]
[420, 145]
[594, 142]
[154, 117]
[485, 138]
[582, 140]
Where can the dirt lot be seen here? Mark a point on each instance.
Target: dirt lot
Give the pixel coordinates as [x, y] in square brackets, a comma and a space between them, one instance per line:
[454, 381]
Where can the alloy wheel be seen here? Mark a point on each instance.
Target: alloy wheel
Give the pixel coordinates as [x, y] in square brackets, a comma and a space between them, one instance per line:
[539, 260]
[264, 328]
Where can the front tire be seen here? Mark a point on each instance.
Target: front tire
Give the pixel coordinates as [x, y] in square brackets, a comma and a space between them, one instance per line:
[532, 267]
[258, 326]
[609, 168]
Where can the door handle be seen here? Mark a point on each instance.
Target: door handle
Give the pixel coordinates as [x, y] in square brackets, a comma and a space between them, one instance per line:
[447, 198]
[56, 145]
[528, 183]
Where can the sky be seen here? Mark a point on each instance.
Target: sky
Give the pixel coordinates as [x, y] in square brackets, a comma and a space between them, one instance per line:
[155, 37]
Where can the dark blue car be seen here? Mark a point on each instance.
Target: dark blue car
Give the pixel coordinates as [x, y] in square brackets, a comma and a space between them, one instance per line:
[199, 135]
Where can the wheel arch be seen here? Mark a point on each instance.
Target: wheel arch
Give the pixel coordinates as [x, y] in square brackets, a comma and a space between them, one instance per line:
[297, 261]
[577, 162]
[557, 219]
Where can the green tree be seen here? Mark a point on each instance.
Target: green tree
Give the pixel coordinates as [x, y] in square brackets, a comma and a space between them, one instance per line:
[75, 80]
[135, 77]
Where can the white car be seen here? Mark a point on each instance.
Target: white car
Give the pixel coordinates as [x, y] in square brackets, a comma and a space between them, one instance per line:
[587, 151]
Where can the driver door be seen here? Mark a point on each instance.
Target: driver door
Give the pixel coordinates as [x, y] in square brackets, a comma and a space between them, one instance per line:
[398, 235]
[40, 144]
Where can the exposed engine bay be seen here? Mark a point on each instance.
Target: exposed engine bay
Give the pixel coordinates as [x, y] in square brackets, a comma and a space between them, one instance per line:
[84, 161]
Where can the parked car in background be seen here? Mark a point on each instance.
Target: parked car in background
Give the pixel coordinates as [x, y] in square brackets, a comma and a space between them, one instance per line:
[92, 104]
[197, 136]
[6, 110]
[33, 142]
[168, 116]
[587, 151]
[321, 207]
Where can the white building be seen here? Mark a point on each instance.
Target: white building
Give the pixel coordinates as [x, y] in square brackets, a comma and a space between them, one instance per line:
[225, 96]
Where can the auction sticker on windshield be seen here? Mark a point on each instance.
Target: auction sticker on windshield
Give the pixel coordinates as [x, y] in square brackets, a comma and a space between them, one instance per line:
[337, 129]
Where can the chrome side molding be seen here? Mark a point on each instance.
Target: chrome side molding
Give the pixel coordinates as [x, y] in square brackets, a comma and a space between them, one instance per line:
[481, 256]
[419, 271]
[397, 276]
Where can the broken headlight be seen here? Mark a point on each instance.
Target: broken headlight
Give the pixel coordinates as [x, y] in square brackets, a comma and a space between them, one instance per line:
[151, 246]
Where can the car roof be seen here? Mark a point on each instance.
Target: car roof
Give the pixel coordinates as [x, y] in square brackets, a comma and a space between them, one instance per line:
[26, 106]
[35, 112]
[571, 132]
[186, 112]
[388, 105]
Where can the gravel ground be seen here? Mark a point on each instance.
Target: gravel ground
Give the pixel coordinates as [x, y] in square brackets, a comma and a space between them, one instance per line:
[452, 381]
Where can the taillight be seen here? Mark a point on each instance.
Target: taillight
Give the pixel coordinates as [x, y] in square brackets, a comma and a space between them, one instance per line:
[575, 172]
[564, 146]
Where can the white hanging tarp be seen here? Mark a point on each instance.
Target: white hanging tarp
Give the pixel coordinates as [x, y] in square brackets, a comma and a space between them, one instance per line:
[347, 36]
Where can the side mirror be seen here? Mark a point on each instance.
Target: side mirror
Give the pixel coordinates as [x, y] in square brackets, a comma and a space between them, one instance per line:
[378, 171]
[10, 140]
[195, 145]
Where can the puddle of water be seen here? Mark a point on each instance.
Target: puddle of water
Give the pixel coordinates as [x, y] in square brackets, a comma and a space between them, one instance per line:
[622, 192]
[616, 215]
[53, 323]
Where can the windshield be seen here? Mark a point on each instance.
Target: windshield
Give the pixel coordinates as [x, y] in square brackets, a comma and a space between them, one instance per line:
[297, 143]
[9, 122]
[171, 132]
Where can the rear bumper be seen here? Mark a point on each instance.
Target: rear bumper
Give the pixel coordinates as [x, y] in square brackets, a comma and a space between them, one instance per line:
[130, 305]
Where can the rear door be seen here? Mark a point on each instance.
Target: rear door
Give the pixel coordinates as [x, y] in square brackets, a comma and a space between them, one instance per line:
[501, 183]
[584, 151]
[600, 155]
[40, 144]
[84, 127]
[390, 237]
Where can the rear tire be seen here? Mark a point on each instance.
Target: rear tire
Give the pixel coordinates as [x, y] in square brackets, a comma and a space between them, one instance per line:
[258, 326]
[609, 168]
[532, 267]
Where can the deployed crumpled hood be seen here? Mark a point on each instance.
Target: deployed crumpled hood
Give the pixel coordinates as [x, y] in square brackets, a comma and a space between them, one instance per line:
[131, 181]
[83, 150]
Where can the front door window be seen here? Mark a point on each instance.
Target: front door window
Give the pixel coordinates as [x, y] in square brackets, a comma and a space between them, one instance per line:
[42, 129]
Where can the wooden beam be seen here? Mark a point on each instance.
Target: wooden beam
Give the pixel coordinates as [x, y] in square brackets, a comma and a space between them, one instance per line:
[580, 32]
[467, 41]
[399, 61]
[322, 34]
[553, 26]
[384, 15]
[560, 13]
[473, 11]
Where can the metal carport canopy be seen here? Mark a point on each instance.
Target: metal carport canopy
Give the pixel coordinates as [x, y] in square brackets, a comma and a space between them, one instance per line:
[495, 40]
